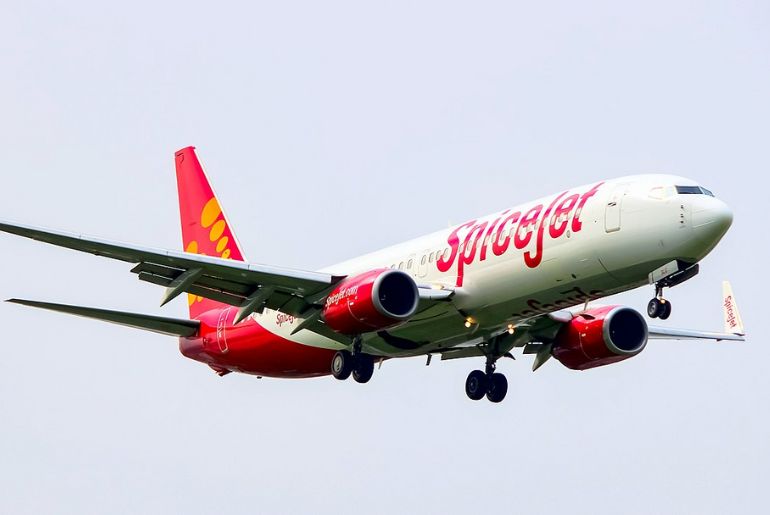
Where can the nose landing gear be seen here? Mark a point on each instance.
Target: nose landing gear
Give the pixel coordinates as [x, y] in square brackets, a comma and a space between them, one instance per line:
[667, 276]
[659, 307]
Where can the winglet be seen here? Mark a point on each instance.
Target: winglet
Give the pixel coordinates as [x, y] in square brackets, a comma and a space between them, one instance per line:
[732, 317]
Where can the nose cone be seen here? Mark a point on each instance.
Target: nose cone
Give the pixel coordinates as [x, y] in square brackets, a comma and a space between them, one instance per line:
[711, 218]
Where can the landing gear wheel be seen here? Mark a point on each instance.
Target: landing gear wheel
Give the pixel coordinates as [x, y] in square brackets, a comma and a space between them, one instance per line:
[497, 388]
[476, 385]
[655, 308]
[342, 365]
[363, 368]
[666, 312]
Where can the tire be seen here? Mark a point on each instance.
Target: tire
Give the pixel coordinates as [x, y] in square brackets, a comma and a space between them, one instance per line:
[665, 310]
[342, 365]
[498, 388]
[654, 308]
[476, 385]
[363, 369]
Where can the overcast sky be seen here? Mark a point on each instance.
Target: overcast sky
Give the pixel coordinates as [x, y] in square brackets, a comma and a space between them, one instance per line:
[331, 129]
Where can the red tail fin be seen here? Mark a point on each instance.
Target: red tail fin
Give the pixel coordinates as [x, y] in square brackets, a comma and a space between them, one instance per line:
[205, 228]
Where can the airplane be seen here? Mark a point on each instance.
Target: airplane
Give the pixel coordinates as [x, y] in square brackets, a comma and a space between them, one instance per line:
[522, 278]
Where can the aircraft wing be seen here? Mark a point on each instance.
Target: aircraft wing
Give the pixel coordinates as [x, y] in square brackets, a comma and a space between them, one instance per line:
[249, 286]
[537, 335]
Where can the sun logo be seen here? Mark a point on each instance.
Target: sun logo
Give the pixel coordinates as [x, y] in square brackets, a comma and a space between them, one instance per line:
[212, 219]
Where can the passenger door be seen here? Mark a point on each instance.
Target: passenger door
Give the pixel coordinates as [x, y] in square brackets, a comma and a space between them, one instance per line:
[222, 323]
[614, 209]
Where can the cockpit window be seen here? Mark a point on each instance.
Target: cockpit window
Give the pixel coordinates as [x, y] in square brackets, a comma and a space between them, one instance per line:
[693, 190]
[689, 190]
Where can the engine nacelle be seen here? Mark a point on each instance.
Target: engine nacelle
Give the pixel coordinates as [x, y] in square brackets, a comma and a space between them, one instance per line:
[371, 301]
[600, 337]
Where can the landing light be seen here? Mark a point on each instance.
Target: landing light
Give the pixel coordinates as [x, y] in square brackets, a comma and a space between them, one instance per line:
[469, 322]
[511, 329]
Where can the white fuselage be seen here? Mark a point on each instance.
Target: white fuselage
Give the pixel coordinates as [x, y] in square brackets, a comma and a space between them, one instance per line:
[553, 253]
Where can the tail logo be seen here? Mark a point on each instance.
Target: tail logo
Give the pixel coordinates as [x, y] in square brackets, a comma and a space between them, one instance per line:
[211, 218]
[732, 322]
[210, 213]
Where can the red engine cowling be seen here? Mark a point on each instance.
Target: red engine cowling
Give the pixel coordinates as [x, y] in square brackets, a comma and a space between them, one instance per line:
[600, 337]
[371, 301]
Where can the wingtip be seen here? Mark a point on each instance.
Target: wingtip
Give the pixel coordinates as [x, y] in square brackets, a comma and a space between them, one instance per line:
[25, 302]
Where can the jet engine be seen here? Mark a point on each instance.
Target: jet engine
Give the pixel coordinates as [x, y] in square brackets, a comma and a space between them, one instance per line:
[371, 301]
[600, 337]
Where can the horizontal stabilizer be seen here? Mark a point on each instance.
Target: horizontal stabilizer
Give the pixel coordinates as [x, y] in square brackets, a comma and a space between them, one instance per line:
[161, 325]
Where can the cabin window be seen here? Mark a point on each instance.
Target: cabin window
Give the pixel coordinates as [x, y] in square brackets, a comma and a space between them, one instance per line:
[424, 260]
[430, 258]
[409, 265]
[401, 265]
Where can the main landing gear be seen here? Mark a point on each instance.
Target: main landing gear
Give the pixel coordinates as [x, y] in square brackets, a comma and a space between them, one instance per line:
[356, 363]
[490, 383]
[659, 307]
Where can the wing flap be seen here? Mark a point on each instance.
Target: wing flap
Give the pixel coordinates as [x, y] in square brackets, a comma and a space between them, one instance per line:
[172, 274]
[156, 324]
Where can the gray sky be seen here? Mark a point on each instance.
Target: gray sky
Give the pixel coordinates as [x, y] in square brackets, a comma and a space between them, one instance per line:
[335, 128]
